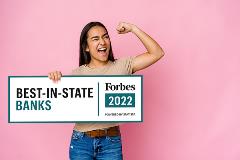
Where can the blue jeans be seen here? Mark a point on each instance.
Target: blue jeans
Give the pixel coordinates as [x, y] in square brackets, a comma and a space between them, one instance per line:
[83, 147]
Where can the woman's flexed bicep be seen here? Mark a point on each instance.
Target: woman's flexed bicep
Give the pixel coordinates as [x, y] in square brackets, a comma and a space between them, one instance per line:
[144, 60]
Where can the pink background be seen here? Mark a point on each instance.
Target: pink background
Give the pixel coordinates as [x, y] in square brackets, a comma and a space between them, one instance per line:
[191, 96]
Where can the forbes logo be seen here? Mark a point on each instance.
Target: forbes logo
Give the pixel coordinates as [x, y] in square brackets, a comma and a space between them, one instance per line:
[117, 87]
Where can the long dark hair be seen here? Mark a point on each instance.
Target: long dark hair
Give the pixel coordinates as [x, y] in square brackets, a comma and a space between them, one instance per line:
[84, 56]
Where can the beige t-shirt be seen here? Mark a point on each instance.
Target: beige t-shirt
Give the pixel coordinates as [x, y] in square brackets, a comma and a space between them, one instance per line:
[118, 67]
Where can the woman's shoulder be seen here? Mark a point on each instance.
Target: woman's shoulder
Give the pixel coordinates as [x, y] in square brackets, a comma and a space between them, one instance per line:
[125, 64]
[79, 70]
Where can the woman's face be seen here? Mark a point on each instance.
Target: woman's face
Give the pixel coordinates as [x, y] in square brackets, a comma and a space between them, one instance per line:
[98, 44]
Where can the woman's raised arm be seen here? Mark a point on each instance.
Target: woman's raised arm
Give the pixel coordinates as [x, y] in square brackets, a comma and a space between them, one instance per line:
[154, 50]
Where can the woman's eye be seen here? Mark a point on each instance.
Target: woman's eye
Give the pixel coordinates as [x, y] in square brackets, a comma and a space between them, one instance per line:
[106, 37]
[95, 39]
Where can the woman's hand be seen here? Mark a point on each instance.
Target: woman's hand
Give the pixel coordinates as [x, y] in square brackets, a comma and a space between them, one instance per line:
[124, 27]
[55, 76]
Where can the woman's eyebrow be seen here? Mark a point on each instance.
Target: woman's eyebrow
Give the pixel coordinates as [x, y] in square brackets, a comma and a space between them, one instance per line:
[94, 37]
[98, 36]
[104, 34]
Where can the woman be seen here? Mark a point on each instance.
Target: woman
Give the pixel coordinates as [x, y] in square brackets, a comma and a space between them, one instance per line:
[103, 140]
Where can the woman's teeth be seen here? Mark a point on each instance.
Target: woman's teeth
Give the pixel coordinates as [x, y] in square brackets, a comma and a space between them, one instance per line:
[102, 50]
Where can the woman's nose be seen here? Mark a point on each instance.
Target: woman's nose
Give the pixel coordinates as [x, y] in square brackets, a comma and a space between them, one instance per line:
[102, 41]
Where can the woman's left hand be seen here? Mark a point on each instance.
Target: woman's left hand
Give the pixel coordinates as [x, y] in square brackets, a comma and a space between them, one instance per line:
[124, 27]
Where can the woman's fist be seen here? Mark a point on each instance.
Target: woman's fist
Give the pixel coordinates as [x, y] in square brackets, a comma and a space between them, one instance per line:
[55, 76]
[124, 27]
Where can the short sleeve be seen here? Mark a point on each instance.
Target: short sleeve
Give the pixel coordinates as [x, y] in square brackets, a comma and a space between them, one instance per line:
[77, 71]
[128, 64]
[74, 72]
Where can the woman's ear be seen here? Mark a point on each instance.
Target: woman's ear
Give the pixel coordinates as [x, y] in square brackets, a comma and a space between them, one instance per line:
[87, 49]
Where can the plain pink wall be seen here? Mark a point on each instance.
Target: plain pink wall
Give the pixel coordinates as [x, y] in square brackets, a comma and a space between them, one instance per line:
[191, 96]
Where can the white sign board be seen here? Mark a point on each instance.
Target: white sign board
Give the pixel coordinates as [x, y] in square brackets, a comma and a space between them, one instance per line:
[114, 98]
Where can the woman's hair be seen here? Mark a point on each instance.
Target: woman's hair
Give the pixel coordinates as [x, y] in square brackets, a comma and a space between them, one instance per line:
[84, 56]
